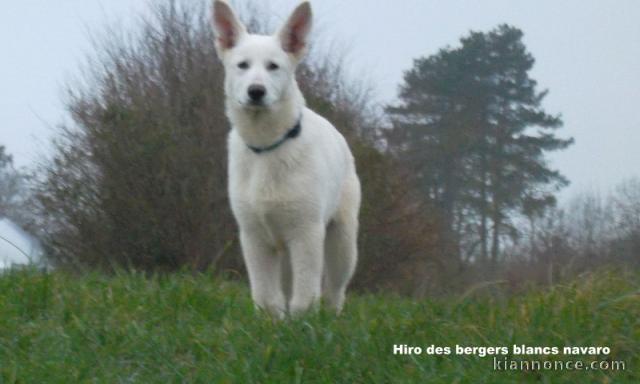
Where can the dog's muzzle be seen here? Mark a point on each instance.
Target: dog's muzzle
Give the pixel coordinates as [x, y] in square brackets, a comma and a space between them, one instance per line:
[256, 94]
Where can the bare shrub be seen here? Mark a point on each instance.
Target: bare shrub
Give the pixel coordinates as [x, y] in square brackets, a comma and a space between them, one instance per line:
[591, 231]
[138, 179]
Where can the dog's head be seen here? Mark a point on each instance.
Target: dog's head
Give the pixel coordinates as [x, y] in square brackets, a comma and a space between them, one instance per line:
[259, 70]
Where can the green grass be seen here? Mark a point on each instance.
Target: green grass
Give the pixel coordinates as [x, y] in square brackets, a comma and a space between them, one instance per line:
[60, 328]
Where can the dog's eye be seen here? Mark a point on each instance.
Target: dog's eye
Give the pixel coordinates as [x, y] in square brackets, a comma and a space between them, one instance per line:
[243, 65]
[272, 66]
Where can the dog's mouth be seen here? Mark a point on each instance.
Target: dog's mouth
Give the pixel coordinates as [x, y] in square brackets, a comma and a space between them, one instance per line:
[256, 104]
[251, 105]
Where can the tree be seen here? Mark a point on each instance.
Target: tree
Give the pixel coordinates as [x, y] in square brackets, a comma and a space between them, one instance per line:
[13, 190]
[471, 124]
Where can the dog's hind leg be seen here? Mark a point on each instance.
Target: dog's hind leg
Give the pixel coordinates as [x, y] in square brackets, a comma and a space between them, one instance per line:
[341, 250]
[263, 266]
[340, 262]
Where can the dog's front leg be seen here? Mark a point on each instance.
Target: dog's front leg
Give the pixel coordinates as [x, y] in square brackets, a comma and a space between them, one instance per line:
[306, 252]
[263, 266]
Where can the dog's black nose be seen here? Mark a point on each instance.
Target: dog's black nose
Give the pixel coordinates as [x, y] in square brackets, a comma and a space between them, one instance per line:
[257, 92]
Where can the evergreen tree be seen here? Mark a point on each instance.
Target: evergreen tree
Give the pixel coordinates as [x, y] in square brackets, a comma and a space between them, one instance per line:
[471, 125]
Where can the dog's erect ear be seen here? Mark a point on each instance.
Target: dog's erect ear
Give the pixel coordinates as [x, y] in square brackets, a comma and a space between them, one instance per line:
[227, 28]
[293, 36]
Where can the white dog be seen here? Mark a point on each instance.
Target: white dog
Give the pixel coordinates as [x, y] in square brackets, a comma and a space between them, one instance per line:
[292, 180]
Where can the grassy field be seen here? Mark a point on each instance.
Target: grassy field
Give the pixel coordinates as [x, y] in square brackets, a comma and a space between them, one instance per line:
[60, 328]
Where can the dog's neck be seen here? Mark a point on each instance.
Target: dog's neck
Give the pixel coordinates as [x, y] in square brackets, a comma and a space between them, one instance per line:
[263, 127]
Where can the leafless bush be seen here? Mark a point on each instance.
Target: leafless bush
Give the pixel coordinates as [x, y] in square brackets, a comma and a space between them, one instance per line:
[590, 232]
[138, 178]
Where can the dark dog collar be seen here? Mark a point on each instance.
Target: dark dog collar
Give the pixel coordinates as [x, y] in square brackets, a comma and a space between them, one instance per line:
[292, 133]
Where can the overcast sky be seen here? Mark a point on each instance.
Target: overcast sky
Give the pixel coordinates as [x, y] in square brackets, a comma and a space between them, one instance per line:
[587, 54]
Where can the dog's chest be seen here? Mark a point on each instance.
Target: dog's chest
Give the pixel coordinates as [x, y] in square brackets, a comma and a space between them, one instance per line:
[270, 190]
[262, 178]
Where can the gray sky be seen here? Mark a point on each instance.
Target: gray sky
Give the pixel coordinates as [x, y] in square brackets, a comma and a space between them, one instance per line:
[587, 54]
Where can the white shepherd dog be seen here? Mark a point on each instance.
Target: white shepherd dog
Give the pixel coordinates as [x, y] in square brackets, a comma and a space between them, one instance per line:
[293, 186]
